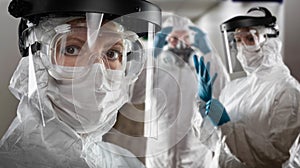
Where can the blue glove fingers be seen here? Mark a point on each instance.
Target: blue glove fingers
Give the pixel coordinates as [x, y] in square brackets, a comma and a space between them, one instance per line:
[204, 89]
[196, 63]
[202, 67]
[208, 67]
[206, 74]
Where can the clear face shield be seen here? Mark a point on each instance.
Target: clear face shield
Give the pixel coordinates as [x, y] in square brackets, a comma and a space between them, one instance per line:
[240, 45]
[91, 62]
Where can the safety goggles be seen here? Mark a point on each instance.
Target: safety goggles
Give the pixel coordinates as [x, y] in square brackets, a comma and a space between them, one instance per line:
[70, 46]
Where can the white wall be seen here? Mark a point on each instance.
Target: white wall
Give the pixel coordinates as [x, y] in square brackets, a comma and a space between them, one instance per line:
[292, 37]
[9, 56]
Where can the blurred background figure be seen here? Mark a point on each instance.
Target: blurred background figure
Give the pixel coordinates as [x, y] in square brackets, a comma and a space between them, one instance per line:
[175, 45]
[180, 39]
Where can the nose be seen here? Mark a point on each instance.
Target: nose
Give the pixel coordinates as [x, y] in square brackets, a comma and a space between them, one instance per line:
[96, 57]
[98, 60]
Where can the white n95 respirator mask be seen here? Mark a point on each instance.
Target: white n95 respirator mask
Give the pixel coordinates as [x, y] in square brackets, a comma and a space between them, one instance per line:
[91, 102]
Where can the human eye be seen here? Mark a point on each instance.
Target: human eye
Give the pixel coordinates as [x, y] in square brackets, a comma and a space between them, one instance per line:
[112, 54]
[71, 50]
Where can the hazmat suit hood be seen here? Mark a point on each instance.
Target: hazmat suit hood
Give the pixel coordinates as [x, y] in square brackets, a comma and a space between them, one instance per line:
[267, 57]
[28, 143]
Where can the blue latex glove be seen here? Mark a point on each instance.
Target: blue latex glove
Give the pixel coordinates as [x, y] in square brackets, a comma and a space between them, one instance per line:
[205, 82]
[212, 108]
[160, 39]
[200, 40]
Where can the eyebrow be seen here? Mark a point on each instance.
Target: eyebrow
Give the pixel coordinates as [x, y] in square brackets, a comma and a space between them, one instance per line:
[73, 39]
[118, 43]
[77, 39]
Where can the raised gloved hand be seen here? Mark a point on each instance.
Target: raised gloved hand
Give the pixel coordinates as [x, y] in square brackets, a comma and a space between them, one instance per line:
[160, 39]
[205, 81]
[200, 41]
[212, 107]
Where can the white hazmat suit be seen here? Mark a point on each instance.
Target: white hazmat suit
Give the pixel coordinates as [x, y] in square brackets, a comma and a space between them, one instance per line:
[264, 108]
[78, 62]
[27, 143]
[176, 144]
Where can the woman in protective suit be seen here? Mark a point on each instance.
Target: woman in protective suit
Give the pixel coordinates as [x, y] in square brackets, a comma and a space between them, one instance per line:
[79, 58]
[264, 106]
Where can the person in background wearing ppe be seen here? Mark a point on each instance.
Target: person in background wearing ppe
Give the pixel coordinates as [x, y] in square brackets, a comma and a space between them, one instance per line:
[264, 106]
[79, 58]
[175, 145]
[180, 39]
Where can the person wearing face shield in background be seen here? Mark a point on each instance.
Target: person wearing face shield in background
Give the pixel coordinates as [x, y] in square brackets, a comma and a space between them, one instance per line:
[79, 58]
[264, 106]
[175, 145]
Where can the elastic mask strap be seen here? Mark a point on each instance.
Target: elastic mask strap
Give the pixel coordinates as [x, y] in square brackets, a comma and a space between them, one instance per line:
[32, 83]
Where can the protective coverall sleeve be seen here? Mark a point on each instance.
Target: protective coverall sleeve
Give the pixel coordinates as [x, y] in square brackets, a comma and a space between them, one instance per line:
[220, 153]
[266, 144]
